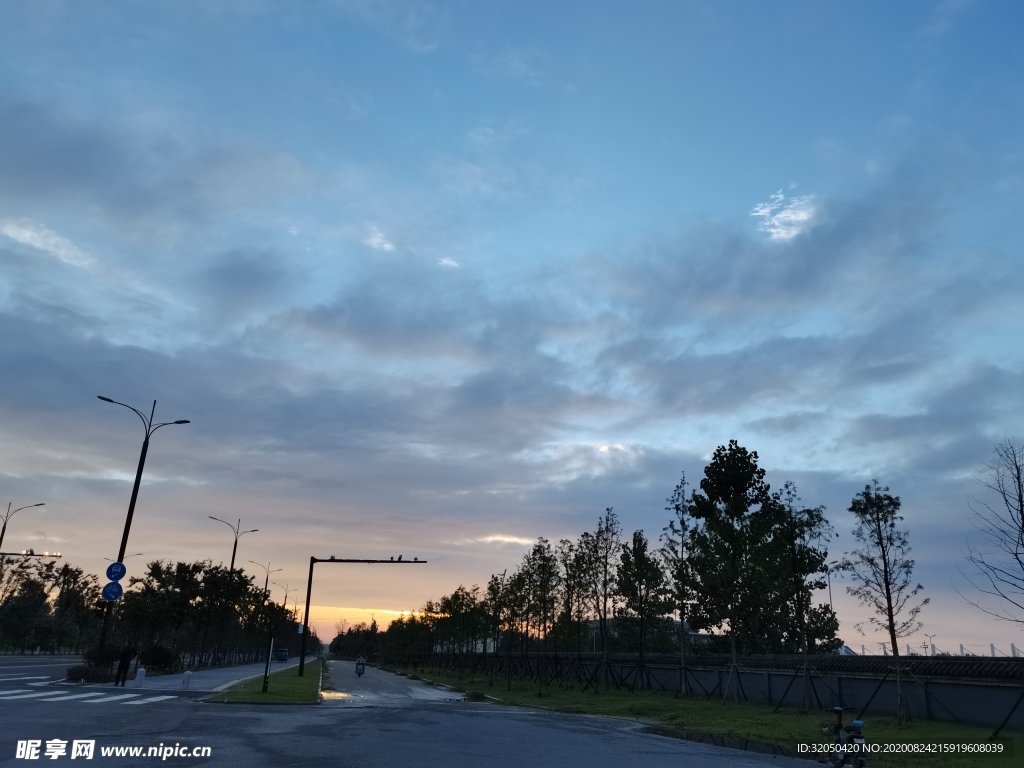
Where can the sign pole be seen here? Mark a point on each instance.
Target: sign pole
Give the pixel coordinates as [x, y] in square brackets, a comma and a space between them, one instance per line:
[266, 672]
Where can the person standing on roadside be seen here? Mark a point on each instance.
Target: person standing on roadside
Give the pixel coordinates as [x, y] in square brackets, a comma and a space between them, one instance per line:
[123, 664]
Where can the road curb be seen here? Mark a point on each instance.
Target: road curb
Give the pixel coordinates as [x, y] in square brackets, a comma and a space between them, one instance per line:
[320, 685]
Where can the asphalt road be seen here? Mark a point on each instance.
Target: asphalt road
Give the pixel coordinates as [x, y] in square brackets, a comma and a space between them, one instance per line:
[43, 665]
[376, 720]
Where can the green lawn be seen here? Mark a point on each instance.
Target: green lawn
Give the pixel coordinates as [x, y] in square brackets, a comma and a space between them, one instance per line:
[786, 728]
[286, 687]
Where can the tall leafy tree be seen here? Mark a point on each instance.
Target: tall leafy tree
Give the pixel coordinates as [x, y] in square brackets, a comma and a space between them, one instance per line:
[676, 546]
[800, 568]
[731, 547]
[882, 569]
[641, 583]
[572, 563]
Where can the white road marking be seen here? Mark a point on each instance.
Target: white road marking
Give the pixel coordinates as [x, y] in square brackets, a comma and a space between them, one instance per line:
[62, 697]
[14, 690]
[147, 701]
[105, 698]
[28, 695]
[12, 678]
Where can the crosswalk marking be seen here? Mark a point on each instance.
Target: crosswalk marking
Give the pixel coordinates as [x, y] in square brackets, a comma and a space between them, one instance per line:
[12, 678]
[105, 699]
[59, 696]
[55, 694]
[147, 701]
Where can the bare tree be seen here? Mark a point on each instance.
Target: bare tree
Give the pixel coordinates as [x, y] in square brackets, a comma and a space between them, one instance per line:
[999, 569]
[882, 568]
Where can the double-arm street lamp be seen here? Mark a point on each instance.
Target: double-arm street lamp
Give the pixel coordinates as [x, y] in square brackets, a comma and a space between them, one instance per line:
[150, 428]
[234, 530]
[11, 514]
[287, 591]
[266, 581]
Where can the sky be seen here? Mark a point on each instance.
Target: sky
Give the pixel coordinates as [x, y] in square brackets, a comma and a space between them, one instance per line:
[438, 278]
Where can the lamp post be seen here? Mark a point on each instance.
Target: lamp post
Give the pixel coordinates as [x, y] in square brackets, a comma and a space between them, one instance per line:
[828, 575]
[124, 558]
[150, 428]
[31, 553]
[266, 582]
[309, 590]
[284, 603]
[11, 514]
[238, 534]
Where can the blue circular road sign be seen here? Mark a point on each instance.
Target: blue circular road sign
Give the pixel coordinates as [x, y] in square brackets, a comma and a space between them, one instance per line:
[115, 571]
[112, 591]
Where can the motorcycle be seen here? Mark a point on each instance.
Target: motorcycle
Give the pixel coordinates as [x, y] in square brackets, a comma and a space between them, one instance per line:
[850, 740]
[360, 667]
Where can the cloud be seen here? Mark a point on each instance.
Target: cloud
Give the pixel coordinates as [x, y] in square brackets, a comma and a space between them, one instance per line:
[419, 26]
[142, 180]
[375, 239]
[241, 280]
[784, 219]
[519, 63]
[499, 538]
[489, 133]
[448, 262]
[31, 233]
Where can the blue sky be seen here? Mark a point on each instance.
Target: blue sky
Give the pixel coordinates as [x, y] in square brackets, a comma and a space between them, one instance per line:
[443, 277]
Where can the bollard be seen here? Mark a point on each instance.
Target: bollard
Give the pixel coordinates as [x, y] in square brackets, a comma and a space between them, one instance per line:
[186, 681]
[140, 677]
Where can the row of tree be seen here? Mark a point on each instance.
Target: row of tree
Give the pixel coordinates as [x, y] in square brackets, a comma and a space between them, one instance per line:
[735, 558]
[176, 615]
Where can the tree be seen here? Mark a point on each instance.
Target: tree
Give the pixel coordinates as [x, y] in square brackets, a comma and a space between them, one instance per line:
[999, 570]
[675, 551]
[800, 569]
[602, 553]
[882, 568]
[572, 562]
[729, 550]
[641, 583]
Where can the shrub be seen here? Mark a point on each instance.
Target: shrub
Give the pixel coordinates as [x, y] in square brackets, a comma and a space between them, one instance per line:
[105, 658]
[158, 658]
[86, 673]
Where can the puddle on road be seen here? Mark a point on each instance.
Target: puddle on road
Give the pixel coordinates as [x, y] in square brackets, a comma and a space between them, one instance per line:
[748, 745]
[335, 695]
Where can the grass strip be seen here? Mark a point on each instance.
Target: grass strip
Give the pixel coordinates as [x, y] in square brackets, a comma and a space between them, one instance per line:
[735, 722]
[286, 687]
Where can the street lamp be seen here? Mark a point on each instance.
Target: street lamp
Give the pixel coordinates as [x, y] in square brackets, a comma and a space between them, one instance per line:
[828, 575]
[10, 514]
[266, 581]
[122, 559]
[150, 428]
[284, 603]
[30, 553]
[234, 529]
